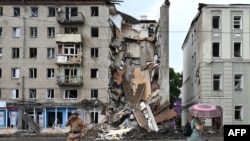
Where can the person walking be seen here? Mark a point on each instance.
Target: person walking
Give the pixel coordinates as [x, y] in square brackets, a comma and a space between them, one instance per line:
[76, 126]
[197, 127]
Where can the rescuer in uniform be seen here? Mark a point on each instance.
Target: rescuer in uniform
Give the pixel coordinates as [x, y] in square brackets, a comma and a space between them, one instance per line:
[76, 126]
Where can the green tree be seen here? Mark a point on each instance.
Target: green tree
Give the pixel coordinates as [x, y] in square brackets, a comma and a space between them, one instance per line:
[175, 83]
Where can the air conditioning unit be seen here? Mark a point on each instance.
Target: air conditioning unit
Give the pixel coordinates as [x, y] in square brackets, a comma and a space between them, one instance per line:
[58, 9]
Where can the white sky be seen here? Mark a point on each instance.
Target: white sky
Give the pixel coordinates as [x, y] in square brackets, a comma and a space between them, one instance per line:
[181, 15]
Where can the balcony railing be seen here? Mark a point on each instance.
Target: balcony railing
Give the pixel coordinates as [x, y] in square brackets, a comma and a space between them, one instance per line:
[69, 59]
[70, 80]
[70, 18]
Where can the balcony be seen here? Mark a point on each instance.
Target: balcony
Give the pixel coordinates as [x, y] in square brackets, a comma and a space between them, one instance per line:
[69, 80]
[69, 59]
[68, 38]
[70, 18]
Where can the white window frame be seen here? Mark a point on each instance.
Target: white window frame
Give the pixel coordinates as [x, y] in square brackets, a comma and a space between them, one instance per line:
[33, 32]
[16, 32]
[238, 82]
[14, 93]
[50, 94]
[51, 32]
[240, 110]
[51, 53]
[237, 23]
[15, 72]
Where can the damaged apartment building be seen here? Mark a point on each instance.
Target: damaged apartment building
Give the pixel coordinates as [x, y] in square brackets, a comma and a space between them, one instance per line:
[60, 56]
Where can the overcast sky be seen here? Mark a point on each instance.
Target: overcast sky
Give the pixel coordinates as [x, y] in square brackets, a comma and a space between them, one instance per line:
[181, 14]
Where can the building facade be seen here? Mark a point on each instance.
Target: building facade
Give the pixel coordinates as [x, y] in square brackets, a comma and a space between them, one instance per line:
[216, 62]
[53, 55]
[58, 56]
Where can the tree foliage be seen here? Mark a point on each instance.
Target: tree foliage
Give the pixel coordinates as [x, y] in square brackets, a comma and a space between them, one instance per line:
[175, 84]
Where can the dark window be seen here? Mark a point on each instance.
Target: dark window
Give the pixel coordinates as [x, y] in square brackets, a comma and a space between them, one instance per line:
[216, 49]
[70, 94]
[51, 32]
[1, 11]
[237, 49]
[0, 72]
[238, 112]
[216, 82]
[94, 93]
[34, 11]
[50, 93]
[15, 52]
[94, 32]
[16, 11]
[94, 117]
[52, 12]
[94, 73]
[51, 53]
[94, 52]
[33, 32]
[32, 93]
[70, 30]
[33, 72]
[50, 73]
[216, 21]
[33, 52]
[94, 11]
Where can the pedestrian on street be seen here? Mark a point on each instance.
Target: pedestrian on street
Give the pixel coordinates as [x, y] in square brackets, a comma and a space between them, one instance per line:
[197, 126]
[76, 127]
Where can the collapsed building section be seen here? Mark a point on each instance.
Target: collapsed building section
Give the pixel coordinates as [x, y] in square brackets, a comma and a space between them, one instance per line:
[135, 72]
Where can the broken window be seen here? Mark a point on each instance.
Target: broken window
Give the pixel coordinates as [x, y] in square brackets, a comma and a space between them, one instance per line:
[217, 82]
[238, 114]
[94, 32]
[237, 49]
[238, 82]
[33, 32]
[70, 94]
[51, 53]
[94, 73]
[50, 73]
[1, 31]
[94, 117]
[15, 73]
[14, 93]
[16, 11]
[94, 93]
[32, 93]
[34, 11]
[237, 22]
[15, 52]
[70, 30]
[216, 49]
[16, 32]
[216, 22]
[33, 52]
[51, 32]
[51, 12]
[1, 11]
[94, 11]
[94, 52]
[32, 72]
[50, 93]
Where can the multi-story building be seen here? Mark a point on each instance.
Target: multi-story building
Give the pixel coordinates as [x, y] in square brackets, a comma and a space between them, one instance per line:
[216, 62]
[53, 55]
[58, 56]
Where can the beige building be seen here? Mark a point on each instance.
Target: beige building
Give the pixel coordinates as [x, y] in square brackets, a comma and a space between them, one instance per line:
[216, 62]
[60, 56]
